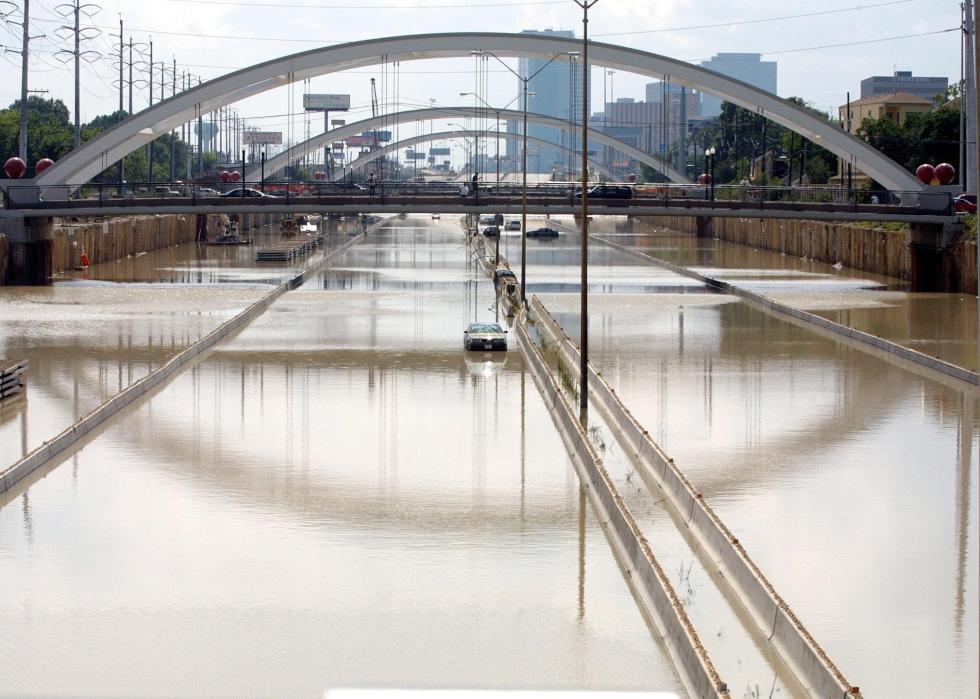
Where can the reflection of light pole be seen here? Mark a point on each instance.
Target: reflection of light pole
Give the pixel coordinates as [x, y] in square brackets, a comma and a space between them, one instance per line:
[525, 82]
[583, 397]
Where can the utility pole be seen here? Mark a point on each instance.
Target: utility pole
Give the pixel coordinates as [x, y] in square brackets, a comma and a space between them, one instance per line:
[173, 134]
[149, 146]
[22, 141]
[75, 9]
[968, 100]
[120, 63]
[200, 136]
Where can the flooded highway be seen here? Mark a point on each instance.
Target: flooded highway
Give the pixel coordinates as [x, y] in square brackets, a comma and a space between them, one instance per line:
[95, 332]
[851, 482]
[337, 496]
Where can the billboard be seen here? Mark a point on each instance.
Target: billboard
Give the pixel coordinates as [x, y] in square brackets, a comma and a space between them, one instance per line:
[262, 138]
[440, 151]
[380, 136]
[360, 141]
[414, 155]
[338, 146]
[335, 123]
[327, 103]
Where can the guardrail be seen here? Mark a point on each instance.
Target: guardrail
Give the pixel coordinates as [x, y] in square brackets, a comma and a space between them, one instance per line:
[644, 573]
[771, 614]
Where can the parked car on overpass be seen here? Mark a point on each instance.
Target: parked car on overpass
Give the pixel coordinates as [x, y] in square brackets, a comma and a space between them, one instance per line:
[965, 204]
[247, 192]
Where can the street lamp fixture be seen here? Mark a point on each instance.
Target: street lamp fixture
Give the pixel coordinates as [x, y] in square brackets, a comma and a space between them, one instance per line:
[524, 81]
[709, 162]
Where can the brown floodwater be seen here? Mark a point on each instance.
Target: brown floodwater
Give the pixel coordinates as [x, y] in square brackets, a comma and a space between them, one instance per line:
[850, 481]
[93, 333]
[338, 496]
[940, 325]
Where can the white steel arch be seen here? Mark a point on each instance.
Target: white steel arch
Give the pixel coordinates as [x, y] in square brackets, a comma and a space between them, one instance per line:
[278, 162]
[447, 135]
[84, 163]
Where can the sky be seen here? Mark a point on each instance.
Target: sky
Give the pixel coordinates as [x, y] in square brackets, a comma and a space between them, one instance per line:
[209, 38]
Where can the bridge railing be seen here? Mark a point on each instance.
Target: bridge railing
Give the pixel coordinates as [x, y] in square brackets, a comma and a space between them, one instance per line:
[728, 196]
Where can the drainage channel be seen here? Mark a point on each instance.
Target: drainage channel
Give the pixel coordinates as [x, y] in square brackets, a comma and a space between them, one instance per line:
[84, 427]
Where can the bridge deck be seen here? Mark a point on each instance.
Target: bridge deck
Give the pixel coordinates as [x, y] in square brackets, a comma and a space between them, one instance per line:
[351, 203]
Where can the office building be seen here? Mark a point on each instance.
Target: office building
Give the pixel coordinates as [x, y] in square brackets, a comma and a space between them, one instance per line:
[557, 92]
[904, 82]
[747, 67]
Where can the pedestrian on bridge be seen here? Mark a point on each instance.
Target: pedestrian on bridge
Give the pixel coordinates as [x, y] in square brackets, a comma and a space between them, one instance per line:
[372, 183]
[476, 183]
[464, 191]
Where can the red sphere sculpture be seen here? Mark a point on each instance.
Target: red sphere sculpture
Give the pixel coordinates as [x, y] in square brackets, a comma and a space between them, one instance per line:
[15, 168]
[631, 178]
[42, 165]
[235, 176]
[945, 173]
[926, 173]
[224, 175]
[704, 178]
[320, 175]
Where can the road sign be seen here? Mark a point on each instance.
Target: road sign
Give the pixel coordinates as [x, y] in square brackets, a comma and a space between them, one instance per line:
[326, 103]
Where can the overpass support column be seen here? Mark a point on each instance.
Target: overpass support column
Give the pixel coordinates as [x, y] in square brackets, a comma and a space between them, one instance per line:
[29, 251]
[705, 227]
[930, 266]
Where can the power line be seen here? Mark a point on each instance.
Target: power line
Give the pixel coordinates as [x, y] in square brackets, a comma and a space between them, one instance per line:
[760, 20]
[859, 43]
[467, 6]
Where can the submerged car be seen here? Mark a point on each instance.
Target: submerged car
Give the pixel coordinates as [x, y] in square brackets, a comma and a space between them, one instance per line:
[543, 233]
[484, 336]
[491, 231]
[513, 226]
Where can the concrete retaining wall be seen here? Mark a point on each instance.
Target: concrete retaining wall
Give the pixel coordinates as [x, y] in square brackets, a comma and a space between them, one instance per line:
[955, 377]
[20, 470]
[873, 250]
[770, 613]
[3, 258]
[645, 574]
[116, 239]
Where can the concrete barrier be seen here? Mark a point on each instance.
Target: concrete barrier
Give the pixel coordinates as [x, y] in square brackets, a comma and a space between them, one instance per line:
[20, 470]
[644, 573]
[772, 616]
[931, 367]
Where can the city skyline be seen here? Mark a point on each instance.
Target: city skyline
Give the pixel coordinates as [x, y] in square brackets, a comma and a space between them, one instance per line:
[219, 36]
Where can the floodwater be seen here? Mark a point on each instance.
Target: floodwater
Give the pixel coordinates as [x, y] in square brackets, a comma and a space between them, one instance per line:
[942, 325]
[338, 496]
[93, 333]
[851, 482]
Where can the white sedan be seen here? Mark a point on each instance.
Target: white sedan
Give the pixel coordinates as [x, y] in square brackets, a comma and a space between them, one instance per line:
[484, 336]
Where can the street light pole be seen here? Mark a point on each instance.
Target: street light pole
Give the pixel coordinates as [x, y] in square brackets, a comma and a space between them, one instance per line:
[525, 81]
[584, 292]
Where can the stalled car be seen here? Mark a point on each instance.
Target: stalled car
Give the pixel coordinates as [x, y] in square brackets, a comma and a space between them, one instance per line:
[491, 231]
[543, 233]
[484, 336]
[513, 226]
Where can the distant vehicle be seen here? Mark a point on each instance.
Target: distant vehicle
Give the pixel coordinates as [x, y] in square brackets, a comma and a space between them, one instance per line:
[487, 219]
[607, 191]
[207, 192]
[484, 336]
[436, 217]
[166, 192]
[514, 225]
[505, 281]
[247, 192]
[965, 204]
[543, 233]
[491, 231]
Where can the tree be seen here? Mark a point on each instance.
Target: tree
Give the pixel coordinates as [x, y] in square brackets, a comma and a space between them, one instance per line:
[49, 133]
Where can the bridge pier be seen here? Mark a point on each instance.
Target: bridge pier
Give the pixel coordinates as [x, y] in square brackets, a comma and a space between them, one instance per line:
[29, 251]
[930, 267]
[705, 227]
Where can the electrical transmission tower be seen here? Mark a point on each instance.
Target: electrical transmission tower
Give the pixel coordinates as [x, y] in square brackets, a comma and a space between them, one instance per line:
[79, 34]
